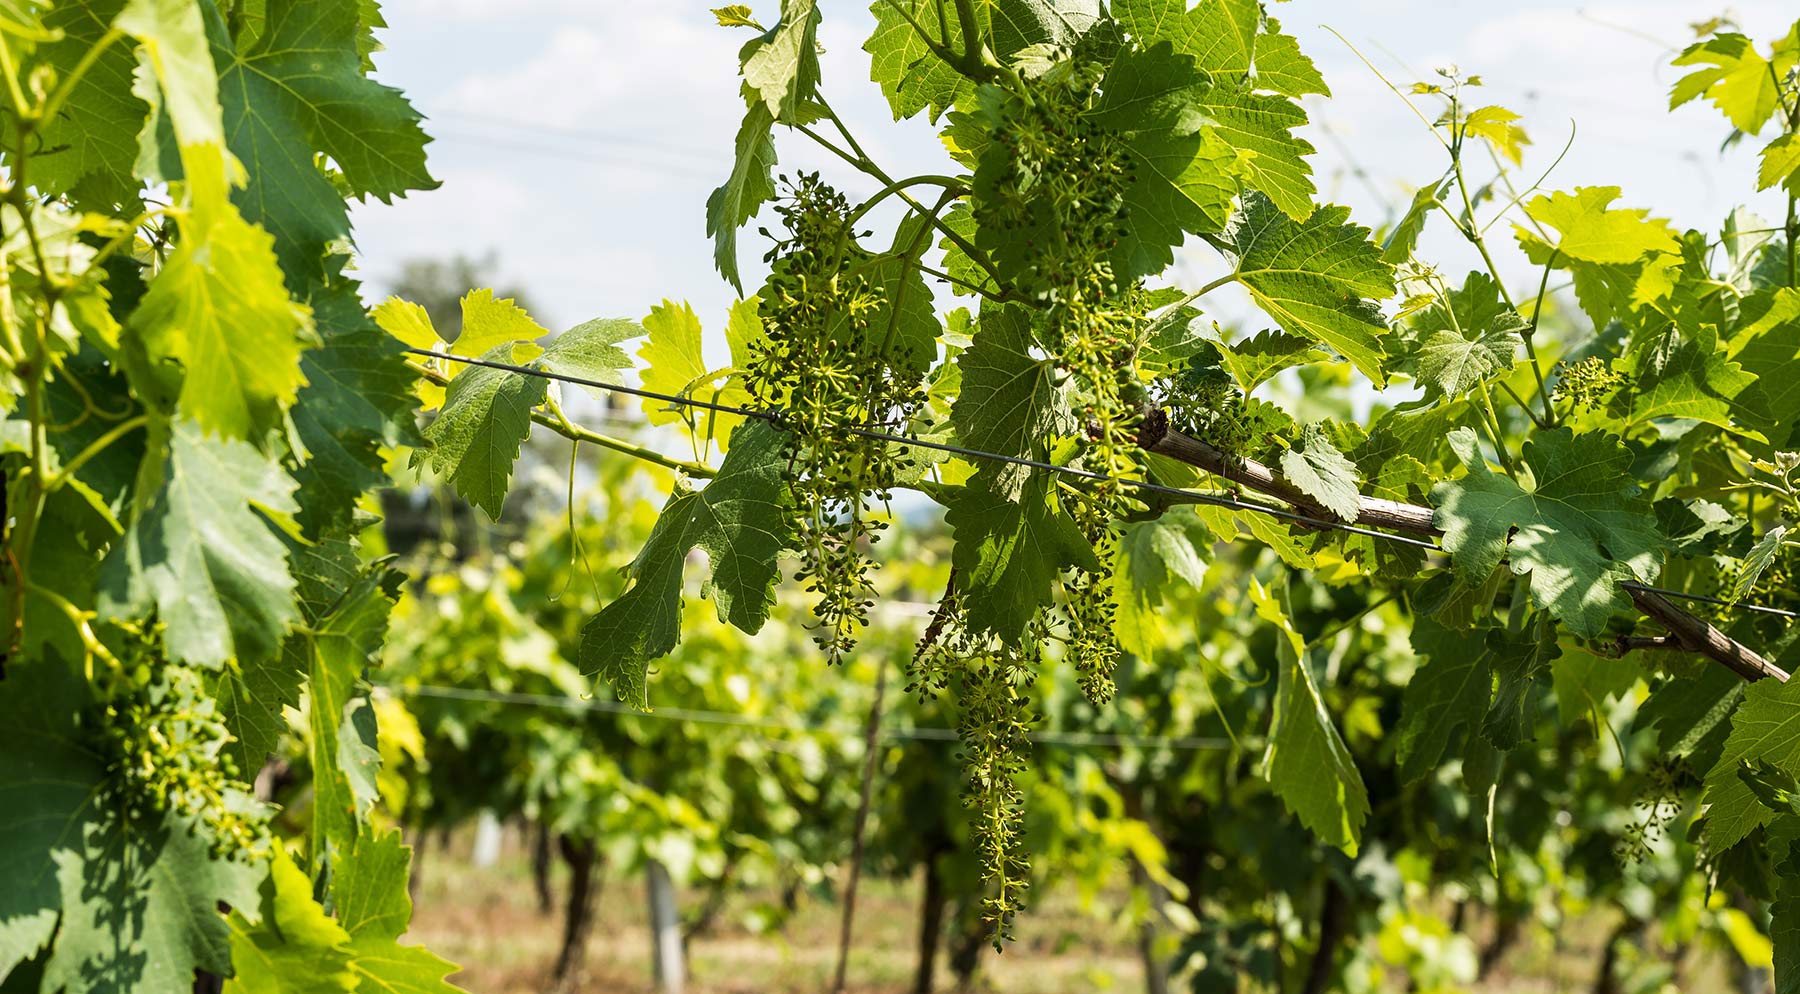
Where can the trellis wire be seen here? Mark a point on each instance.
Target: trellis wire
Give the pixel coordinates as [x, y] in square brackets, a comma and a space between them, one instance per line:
[777, 419]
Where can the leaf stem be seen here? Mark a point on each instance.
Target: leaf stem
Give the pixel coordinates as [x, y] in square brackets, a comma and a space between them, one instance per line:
[951, 185]
[67, 87]
[94, 448]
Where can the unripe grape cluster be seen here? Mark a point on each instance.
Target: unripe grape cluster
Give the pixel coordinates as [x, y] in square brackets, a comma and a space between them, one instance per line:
[826, 372]
[164, 742]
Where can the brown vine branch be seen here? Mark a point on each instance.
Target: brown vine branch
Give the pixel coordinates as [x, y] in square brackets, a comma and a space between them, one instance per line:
[1686, 632]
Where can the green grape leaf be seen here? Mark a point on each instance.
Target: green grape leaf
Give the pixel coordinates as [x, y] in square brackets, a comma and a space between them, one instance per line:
[1018, 24]
[1781, 165]
[782, 66]
[1768, 347]
[370, 898]
[1151, 553]
[357, 401]
[488, 323]
[1186, 176]
[475, 439]
[1318, 470]
[369, 892]
[1765, 729]
[742, 521]
[1584, 682]
[219, 312]
[1253, 361]
[252, 692]
[1578, 532]
[1306, 762]
[1593, 232]
[1735, 77]
[346, 606]
[1686, 710]
[204, 555]
[1495, 126]
[1009, 400]
[1519, 658]
[1694, 379]
[1219, 34]
[69, 853]
[1259, 127]
[297, 89]
[296, 948]
[1760, 557]
[1008, 552]
[750, 185]
[1282, 67]
[1773, 788]
[1404, 238]
[1452, 689]
[904, 322]
[1468, 340]
[89, 149]
[591, 350]
[911, 76]
[672, 358]
[1314, 277]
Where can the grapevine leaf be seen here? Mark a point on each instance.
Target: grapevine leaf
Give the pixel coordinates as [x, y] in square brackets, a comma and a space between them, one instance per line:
[1695, 380]
[1518, 660]
[1451, 690]
[1321, 472]
[1469, 340]
[1765, 729]
[1259, 127]
[1008, 552]
[1019, 24]
[910, 74]
[1578, 532]
[297, 89]
[672, 358]
[131, 895]
[204, 554]
[489, 322]
[1185, 176]
[297, 948]
[1150, 554]
[1219, 34]
[904, 322]
[1686, 710]
[1735, 77]
[1307, 762]
[1400, 242]
[1282, 67]
[782, 66]
[1773, 788]
[476, 437]
[369, 892]
[1314, 277]
[591, 349]
[1593, 232]
[1781, 164]
[1255, 360]
[219, 311]
[90, 148]
[1009, 399]
[750, 185]
[1495, 126]
[251, 692]
[1768, 347]
[369, 895]
[347, 607]
[741, 520]
[1760, 557]
[1584, 682]
[357, 400]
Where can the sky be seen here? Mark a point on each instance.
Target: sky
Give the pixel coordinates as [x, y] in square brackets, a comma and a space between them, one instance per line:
[577, 140]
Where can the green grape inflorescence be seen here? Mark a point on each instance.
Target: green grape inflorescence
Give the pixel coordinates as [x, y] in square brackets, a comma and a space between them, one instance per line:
[1059, 188]
[1586, 383]
[164, 740]
[823, 369]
